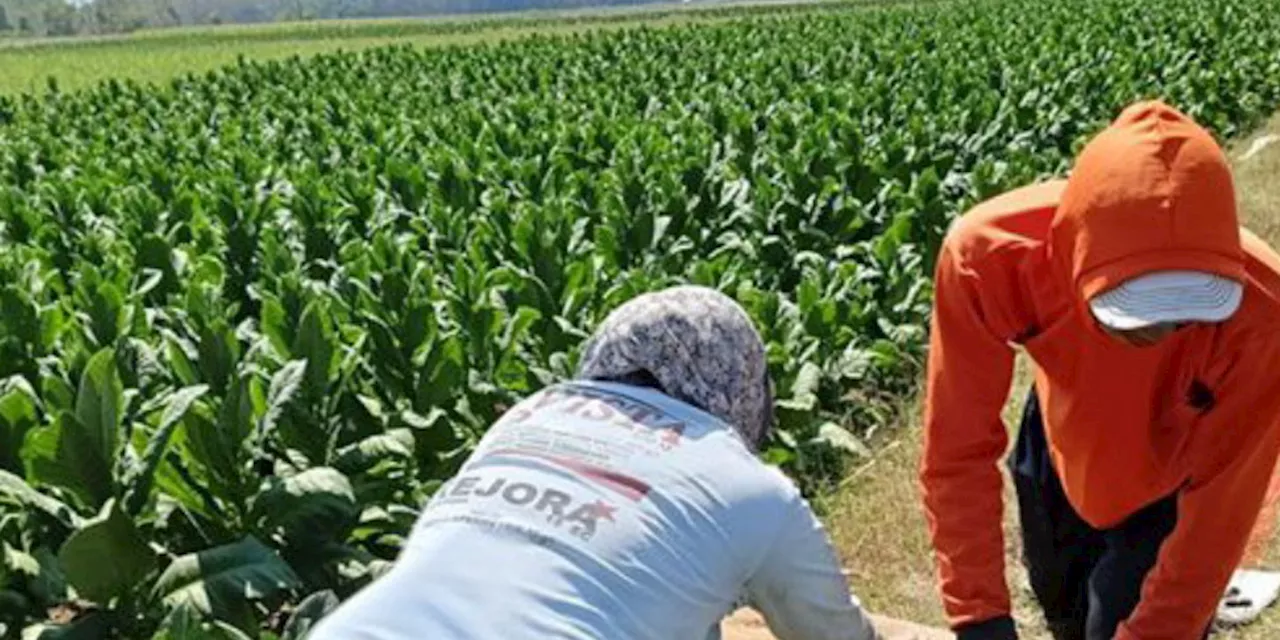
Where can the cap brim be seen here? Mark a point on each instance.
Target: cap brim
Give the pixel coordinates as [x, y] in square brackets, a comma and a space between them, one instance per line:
[1168, 296]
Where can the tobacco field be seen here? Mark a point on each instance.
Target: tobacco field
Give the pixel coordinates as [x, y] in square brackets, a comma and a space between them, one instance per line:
[251, 319]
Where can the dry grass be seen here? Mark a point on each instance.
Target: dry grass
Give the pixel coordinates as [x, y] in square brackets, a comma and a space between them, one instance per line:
[1258, 182]
[876, 519]
[877, 524]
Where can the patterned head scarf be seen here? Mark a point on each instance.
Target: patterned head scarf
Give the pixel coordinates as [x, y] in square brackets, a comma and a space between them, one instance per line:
[699, 346]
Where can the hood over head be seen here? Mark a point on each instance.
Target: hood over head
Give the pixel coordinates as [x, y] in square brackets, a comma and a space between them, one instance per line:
[1151, 193]
[700, 347]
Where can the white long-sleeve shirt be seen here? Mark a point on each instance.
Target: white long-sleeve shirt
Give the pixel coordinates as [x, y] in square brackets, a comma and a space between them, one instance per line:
[607, 512]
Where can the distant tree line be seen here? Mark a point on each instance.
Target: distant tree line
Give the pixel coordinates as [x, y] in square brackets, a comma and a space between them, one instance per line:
[59, 18]
[20, 18]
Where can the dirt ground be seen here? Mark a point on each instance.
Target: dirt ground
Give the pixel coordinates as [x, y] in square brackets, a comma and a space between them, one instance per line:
[746, 624]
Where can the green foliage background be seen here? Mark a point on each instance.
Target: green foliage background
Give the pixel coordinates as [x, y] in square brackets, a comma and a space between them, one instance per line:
[250, 319]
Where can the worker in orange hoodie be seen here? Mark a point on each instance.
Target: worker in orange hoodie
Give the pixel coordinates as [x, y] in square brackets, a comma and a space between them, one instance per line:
[1152, 432]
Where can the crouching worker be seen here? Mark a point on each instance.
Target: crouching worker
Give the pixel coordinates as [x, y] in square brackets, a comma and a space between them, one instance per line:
[627, 503]
[1149, 442]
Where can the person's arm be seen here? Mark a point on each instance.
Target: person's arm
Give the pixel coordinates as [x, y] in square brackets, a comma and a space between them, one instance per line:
[799, 587]
[1240, 439]
[969, 373]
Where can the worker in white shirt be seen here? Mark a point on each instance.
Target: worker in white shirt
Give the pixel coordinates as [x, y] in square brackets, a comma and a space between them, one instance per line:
[628, 503]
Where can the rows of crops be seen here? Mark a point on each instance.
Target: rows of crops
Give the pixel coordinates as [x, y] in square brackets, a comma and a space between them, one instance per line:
[250, 320]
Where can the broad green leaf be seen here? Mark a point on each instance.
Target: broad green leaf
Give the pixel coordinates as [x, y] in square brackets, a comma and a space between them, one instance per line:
[284, 386]
[318, 503]
[274, 325]
[18, 415]
[517, 326]
[66, 455]
[183, 491]
[40, 573]
[216, 443]
[149, 284]
[11, 603]
[208, 450]
[217, 355]
[107, 311]
[57, 394]
[362, 567]
[443, 366]
[182, 623]
[309, 612]
[389, 359]
[175, 409]
[222, 582]
[20, 562]
[156, 253]
[179, 354]
[235, 417]
[834, 435]
[17, 490]
[106, 556]
[807, 381]
[100, 404]
[20, 314]
[186, 623]
[360, 456]
[314, 345]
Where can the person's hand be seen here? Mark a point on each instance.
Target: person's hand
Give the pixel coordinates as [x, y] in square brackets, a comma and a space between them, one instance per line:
[995, 629]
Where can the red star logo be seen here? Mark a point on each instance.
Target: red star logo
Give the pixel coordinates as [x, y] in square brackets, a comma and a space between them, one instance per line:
[602, 511]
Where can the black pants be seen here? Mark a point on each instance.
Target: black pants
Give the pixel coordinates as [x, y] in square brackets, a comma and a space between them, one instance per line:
[1087, 580]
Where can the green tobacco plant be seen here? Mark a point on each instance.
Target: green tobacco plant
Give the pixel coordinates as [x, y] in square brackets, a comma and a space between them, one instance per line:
[251, 319]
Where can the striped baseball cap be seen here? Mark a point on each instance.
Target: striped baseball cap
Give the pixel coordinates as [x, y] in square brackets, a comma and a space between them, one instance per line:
[1167, 296]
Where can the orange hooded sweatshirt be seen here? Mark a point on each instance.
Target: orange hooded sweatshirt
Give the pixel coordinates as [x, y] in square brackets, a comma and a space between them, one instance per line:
[1198, 413]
